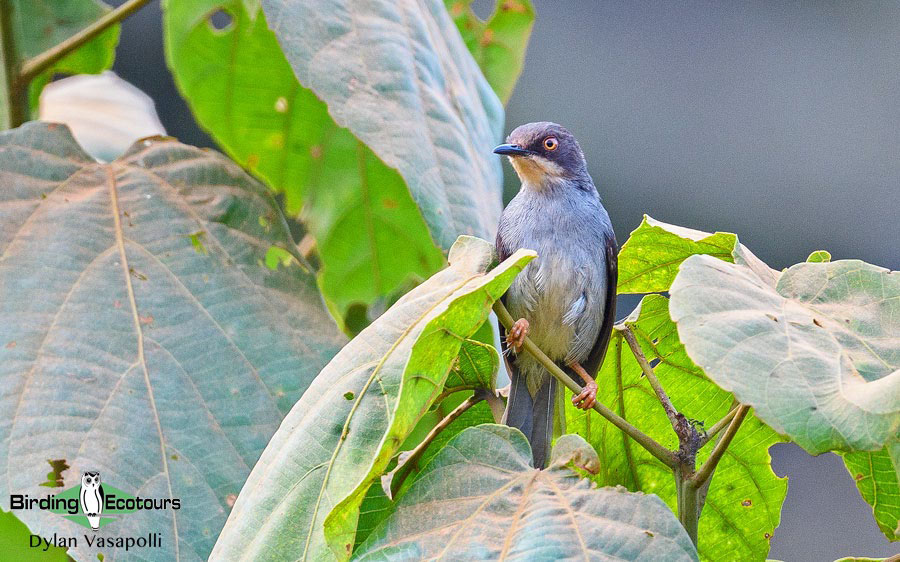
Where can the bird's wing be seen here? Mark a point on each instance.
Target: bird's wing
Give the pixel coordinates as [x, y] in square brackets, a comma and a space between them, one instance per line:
[598, 351]
[100, 495]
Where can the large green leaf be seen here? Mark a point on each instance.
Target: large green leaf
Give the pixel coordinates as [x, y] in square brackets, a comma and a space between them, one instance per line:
[877, 475]
[817, 353]
[355, 206]
[41, 24]
[480, 498]
[498, 43]
[302, 499]
[140, 333]
[649, 259]
[743, 504]
[398, 75]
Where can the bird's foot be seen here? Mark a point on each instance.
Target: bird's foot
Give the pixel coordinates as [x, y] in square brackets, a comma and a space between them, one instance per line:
[586, 399]
[517, 334]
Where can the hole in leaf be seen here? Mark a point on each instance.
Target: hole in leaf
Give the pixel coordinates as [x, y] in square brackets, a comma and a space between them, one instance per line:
[747, 503]
[357, 318]
[221, 21]
[349, 395]
[55, 476]
[276, 256]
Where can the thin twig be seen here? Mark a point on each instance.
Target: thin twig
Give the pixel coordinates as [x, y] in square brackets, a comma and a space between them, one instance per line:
[638, 353]
[719, 426]
[453, 390]
[647, 442]
[405, 467]
[39, 63]
[709, 466]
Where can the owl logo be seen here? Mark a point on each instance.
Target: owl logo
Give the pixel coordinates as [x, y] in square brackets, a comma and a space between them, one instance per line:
[91, 498]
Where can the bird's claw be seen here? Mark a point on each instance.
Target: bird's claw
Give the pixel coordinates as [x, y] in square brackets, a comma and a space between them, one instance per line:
[586, 399]
[517, 334]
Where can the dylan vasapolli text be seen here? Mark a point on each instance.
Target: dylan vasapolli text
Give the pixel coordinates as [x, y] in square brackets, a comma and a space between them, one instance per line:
[152, 540]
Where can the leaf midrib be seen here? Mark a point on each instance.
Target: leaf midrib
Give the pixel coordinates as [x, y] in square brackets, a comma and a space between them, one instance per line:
[120, 244]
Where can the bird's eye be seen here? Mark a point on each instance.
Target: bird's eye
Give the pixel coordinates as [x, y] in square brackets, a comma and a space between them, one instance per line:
[550, 143]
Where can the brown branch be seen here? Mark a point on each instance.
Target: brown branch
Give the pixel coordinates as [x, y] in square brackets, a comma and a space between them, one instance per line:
[645, 441]
[700, 477]
[39, 63]
[719, 426]
[395, 478]
[638, 353]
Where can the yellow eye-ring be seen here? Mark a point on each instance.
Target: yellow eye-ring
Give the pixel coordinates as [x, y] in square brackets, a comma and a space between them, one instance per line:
[550, 143]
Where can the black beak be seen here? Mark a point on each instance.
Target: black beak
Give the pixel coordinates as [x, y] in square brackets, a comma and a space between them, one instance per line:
[512, 150]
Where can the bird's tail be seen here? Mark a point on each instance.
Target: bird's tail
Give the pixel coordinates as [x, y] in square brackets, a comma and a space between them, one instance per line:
[540, 417]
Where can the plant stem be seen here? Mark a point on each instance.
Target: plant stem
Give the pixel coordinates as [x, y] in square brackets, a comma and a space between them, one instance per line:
[14, 108]
[404, 468]
[700, 477]
[39, 63]
[719, 426]
[689, 506]
[452, 390]
[651, 376]
[647, 442]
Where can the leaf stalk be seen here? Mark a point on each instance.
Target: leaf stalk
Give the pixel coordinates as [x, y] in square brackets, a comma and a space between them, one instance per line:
[705, 472]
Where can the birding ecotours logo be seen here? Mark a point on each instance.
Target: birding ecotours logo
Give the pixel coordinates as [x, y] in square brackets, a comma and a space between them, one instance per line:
[91, 497]
[92, 504]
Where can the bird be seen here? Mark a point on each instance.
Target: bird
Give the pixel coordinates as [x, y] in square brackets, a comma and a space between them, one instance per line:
[565, 299]
[91, 498]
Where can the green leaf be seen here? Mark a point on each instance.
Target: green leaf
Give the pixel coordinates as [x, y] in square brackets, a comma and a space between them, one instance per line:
[302, 499]
[743, 504]
[124, 350]
[481, 499]
[877, 475]
[42, 24]
[816, 354]
[356, 207]
[819, 256]
[497, 44]
[14, 543]
[476, 367]
[397, 74]
[649, 259]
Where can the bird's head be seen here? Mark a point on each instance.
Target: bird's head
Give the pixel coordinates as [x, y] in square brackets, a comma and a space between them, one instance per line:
[543, 154]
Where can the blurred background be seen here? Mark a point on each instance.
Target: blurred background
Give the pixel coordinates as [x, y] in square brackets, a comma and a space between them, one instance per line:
[779, 121]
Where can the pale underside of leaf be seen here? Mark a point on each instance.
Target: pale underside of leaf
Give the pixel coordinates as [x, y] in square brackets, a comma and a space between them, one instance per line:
[131, 349]
[816, 354]
[480, 498]
[400, 78]
[358, 412]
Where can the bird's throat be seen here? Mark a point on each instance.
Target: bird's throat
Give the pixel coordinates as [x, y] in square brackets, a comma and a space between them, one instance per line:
[536, 173]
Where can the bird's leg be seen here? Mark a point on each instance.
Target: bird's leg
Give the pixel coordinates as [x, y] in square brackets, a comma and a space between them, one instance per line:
[517, 334]
[586, 399]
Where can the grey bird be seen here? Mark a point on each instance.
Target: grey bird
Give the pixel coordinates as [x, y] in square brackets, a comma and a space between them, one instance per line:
[564, 300]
